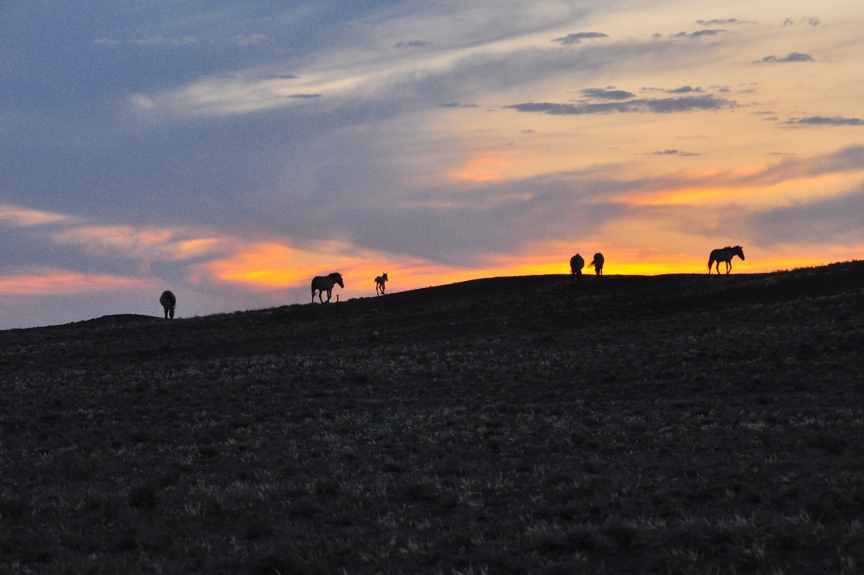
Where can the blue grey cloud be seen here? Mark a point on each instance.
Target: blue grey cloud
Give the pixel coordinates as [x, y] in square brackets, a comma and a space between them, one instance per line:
[607, 94]
[639, 105]
[686, 90]
[407, 44]
[708, 32]
[791, 57]
[458, 105]
[830, 220]
[722, 22]
[674, 152]
[825, 121]
[577, 37]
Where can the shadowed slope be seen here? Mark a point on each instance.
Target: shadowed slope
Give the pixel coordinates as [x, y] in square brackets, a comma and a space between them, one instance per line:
[671, 424]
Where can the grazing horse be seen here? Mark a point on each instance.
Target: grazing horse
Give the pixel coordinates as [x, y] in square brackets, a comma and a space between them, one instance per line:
[724, 255]
[576, 265]
[326, 283]
[380, 283]
[169, 302]
[598, 262]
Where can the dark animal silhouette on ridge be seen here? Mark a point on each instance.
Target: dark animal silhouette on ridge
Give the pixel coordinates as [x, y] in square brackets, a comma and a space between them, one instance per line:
[169, 302]
[326, 283]
[380, 284]
[576, 265]
[724, 255]
[597, 263]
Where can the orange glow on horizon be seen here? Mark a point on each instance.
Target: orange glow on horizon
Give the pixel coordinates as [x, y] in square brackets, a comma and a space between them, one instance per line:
[274, 266]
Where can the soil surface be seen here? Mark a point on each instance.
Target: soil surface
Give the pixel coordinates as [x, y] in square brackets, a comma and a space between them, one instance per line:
[670, 424]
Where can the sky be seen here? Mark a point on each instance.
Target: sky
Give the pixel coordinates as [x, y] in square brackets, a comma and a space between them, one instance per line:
[230, 151]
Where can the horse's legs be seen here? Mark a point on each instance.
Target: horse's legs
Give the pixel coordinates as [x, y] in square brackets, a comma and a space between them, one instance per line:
[329, 294]
[728, 267]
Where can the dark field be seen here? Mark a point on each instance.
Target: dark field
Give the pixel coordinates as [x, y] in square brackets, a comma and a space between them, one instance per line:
[677, 424]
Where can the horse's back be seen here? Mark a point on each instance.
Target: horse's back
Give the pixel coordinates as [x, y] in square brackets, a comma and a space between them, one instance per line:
[167, 299]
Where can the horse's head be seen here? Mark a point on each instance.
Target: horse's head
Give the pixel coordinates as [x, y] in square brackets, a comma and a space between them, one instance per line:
[384, 277]
[738, 251]
[337, 277]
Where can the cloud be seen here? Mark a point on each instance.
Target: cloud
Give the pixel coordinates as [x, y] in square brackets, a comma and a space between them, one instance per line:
[640, 105]
[155, 41]
[826, 221]
[577, 37]
[18, 216]
[849, 159]
[806, 21]
[681, 90]
[686, 90]
[53, 281]
[700, 33]
[788, 58]
[722, 22]
[606, 94]
[412, 44]
[145, 243]
[249, 40]
[825, 121]
[458, 105]
[674, 152]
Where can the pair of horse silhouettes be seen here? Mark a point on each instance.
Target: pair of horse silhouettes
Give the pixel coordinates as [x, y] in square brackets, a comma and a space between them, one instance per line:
[577, 262]
[322, 284]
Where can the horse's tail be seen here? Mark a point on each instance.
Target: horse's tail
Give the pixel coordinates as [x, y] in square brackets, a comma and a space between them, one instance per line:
[710, 261]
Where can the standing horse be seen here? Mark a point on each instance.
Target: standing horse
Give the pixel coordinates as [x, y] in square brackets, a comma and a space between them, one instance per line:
[380, 284]
[169, 302]
[576, 265]
[598, 262]
[326, 283]
[724, 255]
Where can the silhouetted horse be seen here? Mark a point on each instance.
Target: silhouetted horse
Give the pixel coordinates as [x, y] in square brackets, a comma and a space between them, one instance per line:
[380, 283]
[325, 283]
[576, 265]
[724, 255]
[169, 302]
[598, 262]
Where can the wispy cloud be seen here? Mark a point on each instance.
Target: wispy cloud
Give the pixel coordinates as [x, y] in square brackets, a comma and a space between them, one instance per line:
[607, 94]
[824, 221]
[18, 216]
[458, 105]
[674, 152]
[53, 281]
[706, 33]
[806, 21]
[155, 41]
[407, 44]
[578, 37]
[722, 22]
[825, 121]
[249, 40]
[791, 57]
[640, 105]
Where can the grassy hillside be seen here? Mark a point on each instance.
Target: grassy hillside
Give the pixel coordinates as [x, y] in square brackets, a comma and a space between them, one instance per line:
[672, 424]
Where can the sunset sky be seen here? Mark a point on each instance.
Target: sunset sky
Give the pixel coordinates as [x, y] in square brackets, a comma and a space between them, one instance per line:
[229, 151]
